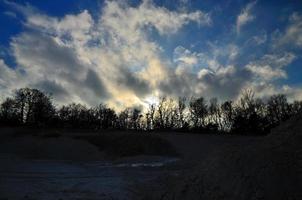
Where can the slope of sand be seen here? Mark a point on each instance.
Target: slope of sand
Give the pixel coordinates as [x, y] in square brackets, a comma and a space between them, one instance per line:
[35, 167]
[210, 167]
[61, 148]
[246, 168]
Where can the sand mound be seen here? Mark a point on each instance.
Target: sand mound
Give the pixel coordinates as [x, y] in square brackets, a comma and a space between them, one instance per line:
[60, 148]
[268, 168]
[288, 133]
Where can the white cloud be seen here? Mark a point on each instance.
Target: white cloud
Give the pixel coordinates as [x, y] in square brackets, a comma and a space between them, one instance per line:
[294, 93]
[233, 51]
[292, 37]
[110, 59]
[56, 69]
[245, 16]
[185, 60]
[225, 83]
[266, 72]
[9, 79]
[268, 89]
[77, 27]
[185, 56]
[219, 55]
[219, 76]
[259, 39]
[113, 59]
[216, 77]
[278, 60]
[271, 66]
[10, 14]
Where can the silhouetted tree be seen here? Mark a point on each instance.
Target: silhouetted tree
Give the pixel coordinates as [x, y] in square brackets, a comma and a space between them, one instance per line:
[106, 117]
[215, 114]
[228, 113]
[73, 115]
[296, 107]
[181, 106]
[198, 112]
[9, 112]
[166, 114]
[22, 96]
[135, 119]
[33, 106]
[278, 109]
[123, 119]
[248, 115]
[150, 117]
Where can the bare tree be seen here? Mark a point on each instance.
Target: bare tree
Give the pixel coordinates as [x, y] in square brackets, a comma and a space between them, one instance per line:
[296, 107]
[215, 115]
[181, 106]
[277, 108]
[74, 115]
[198, 112]
[123, 119]
[33, 106]
[248, 115]
[9, 113]
[106, 117]
[135, 119]
[166, 114]
[150, 117]
[227, 111]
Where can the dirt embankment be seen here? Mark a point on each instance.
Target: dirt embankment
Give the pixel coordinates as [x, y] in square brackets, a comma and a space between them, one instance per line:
[233, 168]
[43, 165]
[211, 166]
[81, 146]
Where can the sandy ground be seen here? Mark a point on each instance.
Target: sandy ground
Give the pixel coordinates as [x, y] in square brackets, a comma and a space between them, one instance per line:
[210, 167]
[66, 168]
[234, 167]
[51, 179]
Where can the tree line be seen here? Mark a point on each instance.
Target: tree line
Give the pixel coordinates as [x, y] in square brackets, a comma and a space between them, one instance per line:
[248, 115]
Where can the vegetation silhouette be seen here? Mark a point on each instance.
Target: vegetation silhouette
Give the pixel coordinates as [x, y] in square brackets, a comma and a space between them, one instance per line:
[249, 115]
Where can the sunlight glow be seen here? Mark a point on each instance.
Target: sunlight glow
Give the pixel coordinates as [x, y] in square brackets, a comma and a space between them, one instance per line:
[151, 100]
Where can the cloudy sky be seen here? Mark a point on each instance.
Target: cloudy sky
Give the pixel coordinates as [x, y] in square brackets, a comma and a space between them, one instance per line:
[127, 53]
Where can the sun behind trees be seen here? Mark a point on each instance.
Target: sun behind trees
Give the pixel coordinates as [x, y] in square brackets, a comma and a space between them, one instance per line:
[250, 115]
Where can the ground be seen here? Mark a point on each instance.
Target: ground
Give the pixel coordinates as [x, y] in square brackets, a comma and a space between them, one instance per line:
[206, 167]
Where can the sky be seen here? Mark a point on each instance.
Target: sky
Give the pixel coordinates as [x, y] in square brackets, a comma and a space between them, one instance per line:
[127, 53]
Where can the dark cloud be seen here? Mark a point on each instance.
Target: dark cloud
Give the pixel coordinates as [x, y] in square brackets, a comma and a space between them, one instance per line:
[128, 80]
[177, 86]
[226, 85]
[42, 58]
[39, 49]
[53, 88]
[94, 83]
[87, 60]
